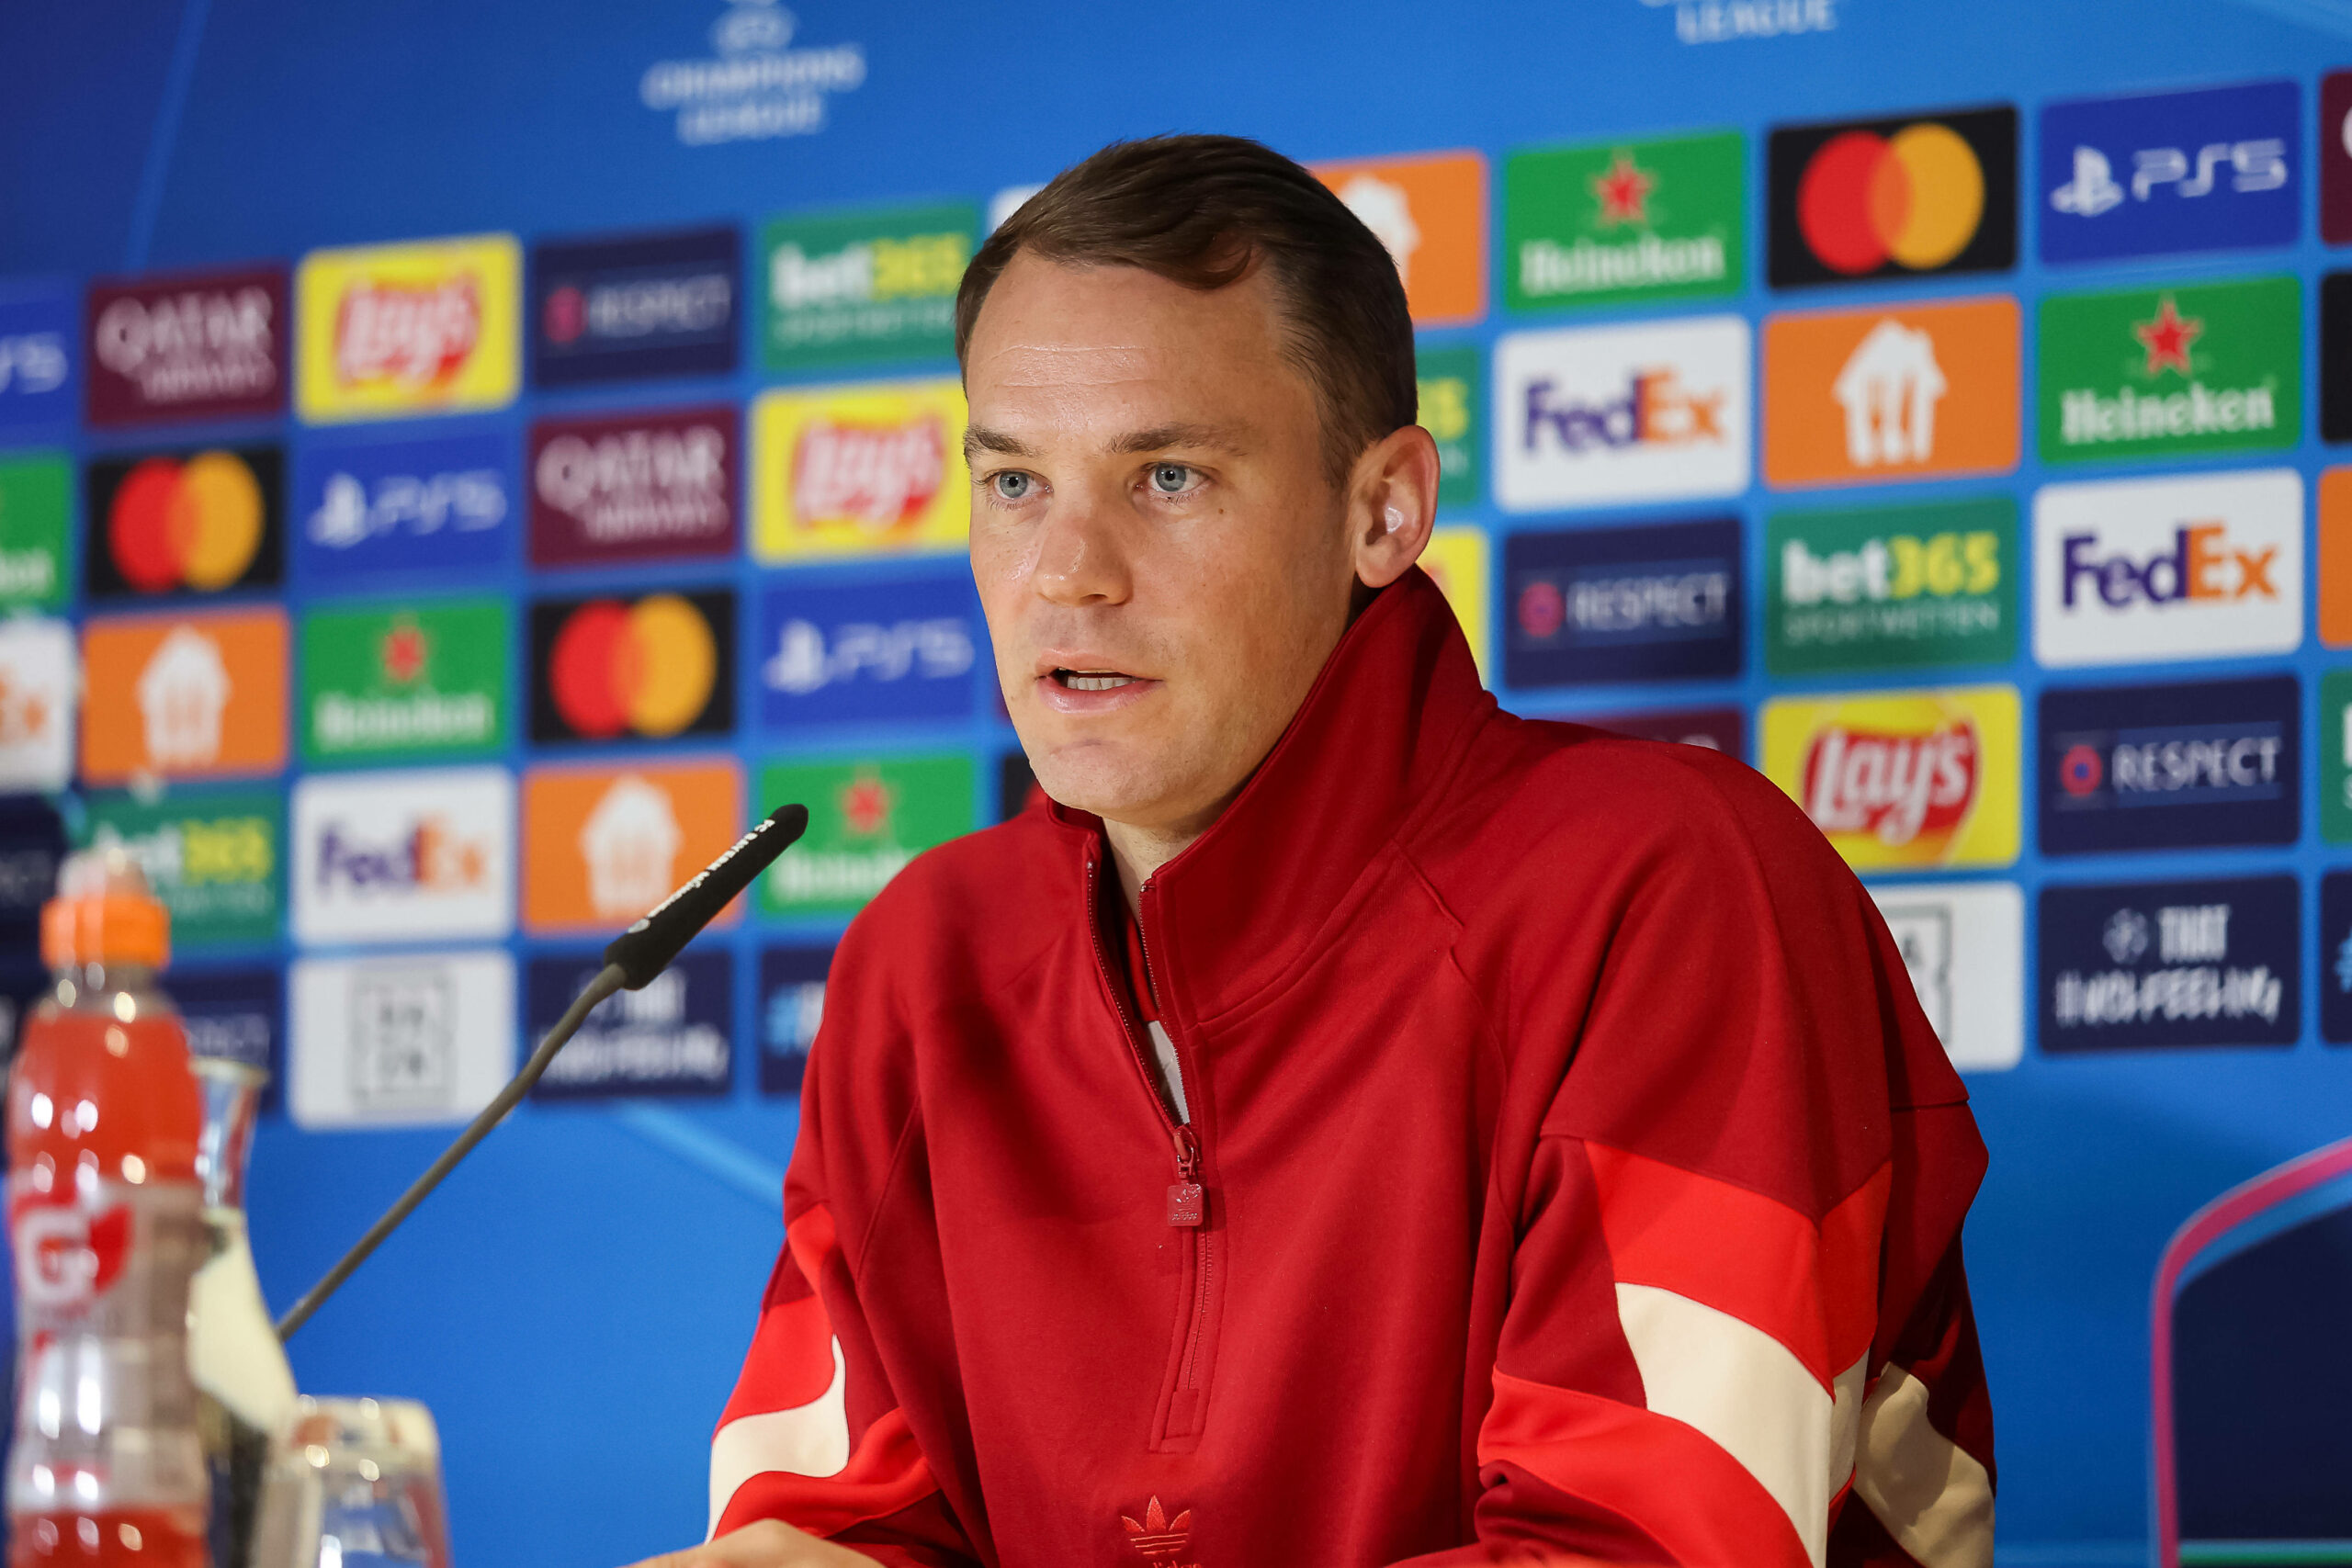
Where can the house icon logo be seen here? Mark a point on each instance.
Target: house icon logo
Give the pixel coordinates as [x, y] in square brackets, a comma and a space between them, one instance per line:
[182, 692]
[1889, 389]
[630, 844]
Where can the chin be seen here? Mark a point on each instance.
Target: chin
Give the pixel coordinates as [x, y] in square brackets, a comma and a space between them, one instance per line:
[1105, 778]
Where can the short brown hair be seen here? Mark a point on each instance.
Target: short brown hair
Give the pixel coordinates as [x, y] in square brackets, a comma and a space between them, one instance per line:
[1206, 211]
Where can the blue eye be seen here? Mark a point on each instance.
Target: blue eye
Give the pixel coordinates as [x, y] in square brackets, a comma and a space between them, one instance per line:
[1013, 485]
[1169, 478]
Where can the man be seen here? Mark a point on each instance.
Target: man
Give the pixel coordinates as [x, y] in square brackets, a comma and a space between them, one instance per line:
[1351, 1125]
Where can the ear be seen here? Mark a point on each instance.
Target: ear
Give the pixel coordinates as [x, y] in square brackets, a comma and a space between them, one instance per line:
[1392, 505]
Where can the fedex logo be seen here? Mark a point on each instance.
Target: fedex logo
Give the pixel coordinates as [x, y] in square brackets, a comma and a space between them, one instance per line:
[2161, 172]
[404, 856]
[2201, 563]
[2199, 567]
[1656, 411]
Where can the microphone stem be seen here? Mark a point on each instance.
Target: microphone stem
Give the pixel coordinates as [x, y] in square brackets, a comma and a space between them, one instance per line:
[608, 980]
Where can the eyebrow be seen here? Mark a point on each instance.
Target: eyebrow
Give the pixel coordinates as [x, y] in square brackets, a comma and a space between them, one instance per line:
[1157, 438]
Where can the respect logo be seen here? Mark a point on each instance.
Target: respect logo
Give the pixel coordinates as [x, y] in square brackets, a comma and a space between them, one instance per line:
[1616, 223]
[1916, 778]
[1430, 211]
[430, 327]
[2202, 566]
[1917, 391]
[854, 288]
[602, 845]
[2170, 767]
[651, 668]
[1651, 412]
[1647, 602]
[853, 471]
[1926, 193]
[635, 305]
[207, 696]
[2134, 373]
[198, 521]
[1882, 587]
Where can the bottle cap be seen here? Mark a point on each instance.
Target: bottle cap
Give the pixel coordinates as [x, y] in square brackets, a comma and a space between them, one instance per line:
[104, 913]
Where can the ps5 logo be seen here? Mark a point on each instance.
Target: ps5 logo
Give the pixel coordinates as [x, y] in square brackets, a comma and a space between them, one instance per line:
[2258, 165]
[350, 513]
[803, 662]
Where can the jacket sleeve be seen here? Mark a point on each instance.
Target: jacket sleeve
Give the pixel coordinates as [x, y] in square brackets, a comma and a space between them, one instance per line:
[1739, 1328]
[814, 1435]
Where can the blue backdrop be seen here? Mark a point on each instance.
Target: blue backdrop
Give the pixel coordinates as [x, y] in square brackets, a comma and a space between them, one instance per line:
[573, 1305]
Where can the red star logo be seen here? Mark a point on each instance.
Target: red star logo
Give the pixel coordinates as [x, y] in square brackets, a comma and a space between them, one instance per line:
[2166, 337]
[402, 652]
[866, 802]
[1624, 192]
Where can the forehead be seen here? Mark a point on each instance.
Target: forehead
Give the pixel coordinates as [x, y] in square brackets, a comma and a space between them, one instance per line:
[1082, 344]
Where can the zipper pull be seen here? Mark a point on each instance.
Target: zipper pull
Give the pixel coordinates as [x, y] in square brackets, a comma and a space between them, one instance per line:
[1187, 1202]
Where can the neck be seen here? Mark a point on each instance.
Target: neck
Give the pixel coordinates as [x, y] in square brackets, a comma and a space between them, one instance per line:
[1139, 852]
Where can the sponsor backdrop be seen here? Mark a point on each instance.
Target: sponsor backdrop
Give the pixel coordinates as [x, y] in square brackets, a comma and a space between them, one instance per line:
[459, 463]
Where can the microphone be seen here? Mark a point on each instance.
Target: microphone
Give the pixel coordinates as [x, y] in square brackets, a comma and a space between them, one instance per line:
[631, 959]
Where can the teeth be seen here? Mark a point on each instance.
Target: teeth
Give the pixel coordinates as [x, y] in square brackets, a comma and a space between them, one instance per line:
[1077, 683]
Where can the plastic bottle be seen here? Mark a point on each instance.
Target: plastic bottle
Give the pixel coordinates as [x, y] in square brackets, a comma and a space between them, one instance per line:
[105, 1222]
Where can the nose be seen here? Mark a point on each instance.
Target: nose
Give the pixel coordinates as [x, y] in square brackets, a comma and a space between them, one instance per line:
[1082, 559]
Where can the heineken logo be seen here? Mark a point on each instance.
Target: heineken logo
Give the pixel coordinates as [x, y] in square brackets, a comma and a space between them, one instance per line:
[1602, 221]
[869, 816]
[2201, 368]
[411, 679]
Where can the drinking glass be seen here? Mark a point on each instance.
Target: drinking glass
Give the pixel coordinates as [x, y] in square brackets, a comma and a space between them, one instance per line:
[356, 1484]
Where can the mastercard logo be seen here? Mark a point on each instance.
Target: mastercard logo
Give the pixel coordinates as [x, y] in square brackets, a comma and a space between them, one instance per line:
[650, 667]
[193, 522]
[1914, 199]
[1923, 194]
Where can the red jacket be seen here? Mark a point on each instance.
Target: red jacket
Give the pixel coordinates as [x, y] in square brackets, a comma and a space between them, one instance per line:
[1577, 1172]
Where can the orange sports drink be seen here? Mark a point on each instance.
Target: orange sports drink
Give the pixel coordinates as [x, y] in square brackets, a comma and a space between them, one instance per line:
[106, 1225]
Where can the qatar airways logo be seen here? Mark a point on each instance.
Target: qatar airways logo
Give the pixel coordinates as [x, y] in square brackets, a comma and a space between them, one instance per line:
[388, 857]
[880, 477]
[412, 335]
[1894, 786]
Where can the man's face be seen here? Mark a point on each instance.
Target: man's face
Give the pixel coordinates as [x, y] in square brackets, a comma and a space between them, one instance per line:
[1163, 563]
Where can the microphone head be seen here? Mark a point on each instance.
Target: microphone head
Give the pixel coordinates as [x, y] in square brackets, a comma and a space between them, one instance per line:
[646, 947]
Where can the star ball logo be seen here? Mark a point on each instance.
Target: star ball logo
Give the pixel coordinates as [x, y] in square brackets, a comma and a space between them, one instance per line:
[2211, 368]
[427, 327]
[193, 522]
[1613, 223]
[650, 668]
[1919, 194]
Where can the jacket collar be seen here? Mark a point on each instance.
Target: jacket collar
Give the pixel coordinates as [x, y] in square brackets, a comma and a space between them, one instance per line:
[1382, 725]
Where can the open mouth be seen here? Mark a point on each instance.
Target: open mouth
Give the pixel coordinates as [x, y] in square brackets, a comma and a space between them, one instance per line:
[1092, 680]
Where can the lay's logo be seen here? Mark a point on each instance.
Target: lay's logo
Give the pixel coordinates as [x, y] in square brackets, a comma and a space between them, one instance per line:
[848, 472]
[425, 328]
[1918, 778]
[1898, 788]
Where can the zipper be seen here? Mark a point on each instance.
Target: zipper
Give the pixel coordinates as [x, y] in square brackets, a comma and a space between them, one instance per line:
[1178, 1423]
